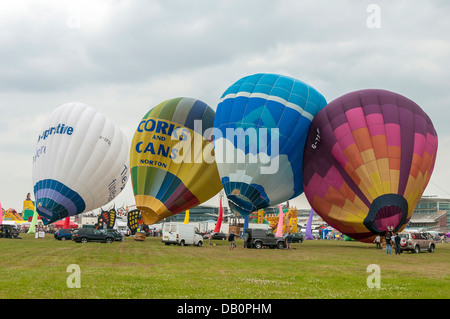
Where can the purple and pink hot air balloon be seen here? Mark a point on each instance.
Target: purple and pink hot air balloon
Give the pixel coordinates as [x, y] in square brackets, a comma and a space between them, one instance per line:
[367, 160]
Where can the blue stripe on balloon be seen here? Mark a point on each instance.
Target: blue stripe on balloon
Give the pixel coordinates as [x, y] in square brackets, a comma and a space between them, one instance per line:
[196, 112]
[170, 182]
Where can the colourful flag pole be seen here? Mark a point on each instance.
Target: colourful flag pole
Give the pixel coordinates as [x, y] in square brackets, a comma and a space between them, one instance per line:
[1, 214]
[186, 217]
[308, 232]
[67, 223]
[32, 229]
[246, 218]
[220, 218]
[280, 223]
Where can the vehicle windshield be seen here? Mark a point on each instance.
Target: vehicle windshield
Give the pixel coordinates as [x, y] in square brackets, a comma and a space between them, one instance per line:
[403, 235]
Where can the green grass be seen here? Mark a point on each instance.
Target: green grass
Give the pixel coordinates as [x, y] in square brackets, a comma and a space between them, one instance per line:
[36, 268]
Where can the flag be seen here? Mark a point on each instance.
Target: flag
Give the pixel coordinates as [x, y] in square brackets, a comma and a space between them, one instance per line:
[134, 219]
[308, 232]
[280, 223]
[220, 218]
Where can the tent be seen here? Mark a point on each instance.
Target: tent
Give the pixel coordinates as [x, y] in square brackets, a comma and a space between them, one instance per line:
[61, 224]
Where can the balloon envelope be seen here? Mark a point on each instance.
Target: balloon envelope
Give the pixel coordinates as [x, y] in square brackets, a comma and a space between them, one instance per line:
[368, 158]
[261, 126]
[172, 159]
[81, 162]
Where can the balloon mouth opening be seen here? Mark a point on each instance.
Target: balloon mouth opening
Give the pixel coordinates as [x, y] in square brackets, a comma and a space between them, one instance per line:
[387, 213]
[241, 204]
[245, 198]
[148, 215]
[43, 212]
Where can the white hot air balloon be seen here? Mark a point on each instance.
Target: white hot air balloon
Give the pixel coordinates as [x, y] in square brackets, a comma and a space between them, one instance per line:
[81, 162]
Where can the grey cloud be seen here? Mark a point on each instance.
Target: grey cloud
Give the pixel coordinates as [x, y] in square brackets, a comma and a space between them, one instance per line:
[130, 55]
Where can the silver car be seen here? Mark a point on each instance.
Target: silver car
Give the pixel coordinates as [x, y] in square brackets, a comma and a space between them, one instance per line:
[416, 242]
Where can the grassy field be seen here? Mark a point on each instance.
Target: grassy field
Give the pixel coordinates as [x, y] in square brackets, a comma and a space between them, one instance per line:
[37, 268]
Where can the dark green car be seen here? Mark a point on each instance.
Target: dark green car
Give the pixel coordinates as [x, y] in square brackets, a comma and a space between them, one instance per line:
[117, 235]
[296, 237]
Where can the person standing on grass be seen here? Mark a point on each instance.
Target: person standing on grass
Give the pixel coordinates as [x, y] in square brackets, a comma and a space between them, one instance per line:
[288, 241]
[398, 251]
[378, 241]
[388, 242]
[393, 241]
[231, 239]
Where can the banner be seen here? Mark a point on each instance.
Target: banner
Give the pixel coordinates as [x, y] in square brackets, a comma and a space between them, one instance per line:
[134, 220]
[32, 229]
[107, 218]
[186, 217]
[220, 218]
[280, 223]
[308, 233]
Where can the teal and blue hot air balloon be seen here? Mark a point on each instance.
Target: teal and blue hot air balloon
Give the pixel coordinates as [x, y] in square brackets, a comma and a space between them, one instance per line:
[260, 129]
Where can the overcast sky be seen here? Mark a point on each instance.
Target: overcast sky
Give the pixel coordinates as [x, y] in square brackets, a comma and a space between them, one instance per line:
[124, 57]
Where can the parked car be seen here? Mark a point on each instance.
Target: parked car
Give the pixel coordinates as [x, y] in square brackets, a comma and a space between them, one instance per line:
[295, 237]
[258, 238]
[416, 242]
[220, 236]
[63, 234]
[9, 231]
[117, 235]
[85, 235]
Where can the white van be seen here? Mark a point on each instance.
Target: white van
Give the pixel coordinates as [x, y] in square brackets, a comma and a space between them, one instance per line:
[180, 234]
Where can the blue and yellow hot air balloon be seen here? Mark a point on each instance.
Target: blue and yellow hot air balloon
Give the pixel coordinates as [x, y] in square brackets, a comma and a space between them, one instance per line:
[260, 130]
[172, 159]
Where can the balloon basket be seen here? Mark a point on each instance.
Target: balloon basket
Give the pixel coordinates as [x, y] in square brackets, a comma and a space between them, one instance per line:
[139, 237]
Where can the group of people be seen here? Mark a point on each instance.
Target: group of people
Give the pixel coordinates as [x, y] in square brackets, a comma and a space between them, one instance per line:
[391, 239]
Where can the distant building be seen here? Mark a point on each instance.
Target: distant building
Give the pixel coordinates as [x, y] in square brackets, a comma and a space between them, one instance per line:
[431, 213]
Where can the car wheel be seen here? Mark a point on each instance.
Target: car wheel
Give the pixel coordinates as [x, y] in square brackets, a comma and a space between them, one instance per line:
[431, 248]
[182, 243]
[258, 245]
[83, 240]
[108, 240]
[280, 245]
[63, 238]
[417, 249]
[200, 243]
